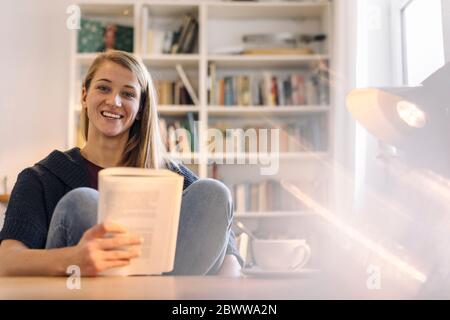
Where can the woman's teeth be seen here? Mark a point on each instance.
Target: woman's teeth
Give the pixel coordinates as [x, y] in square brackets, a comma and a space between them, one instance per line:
[110, 115]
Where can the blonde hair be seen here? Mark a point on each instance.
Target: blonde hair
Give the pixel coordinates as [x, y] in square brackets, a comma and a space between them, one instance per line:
[144, 147]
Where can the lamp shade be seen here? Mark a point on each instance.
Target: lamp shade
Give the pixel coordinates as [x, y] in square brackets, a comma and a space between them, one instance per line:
[406, 117]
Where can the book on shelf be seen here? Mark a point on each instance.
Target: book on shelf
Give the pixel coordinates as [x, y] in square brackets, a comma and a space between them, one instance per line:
[172, 93]
[267, 89]
[264, 196]
[229, 96]
[211, 83]
[235, 139]
[169, 38]
[187, 84]
[189, 38]
[183, 138]
[244, 94]
[165, 90]
[173, 44]
[185, 22]
[155, 41]
[278, 51]
[179, 136]
[163, 37]
[172, 142]
[232, 91]
[321, 76]
[306, 134]
[281, 43]
[298, 90]
[274, 44]
[146, 202]
[192, 128]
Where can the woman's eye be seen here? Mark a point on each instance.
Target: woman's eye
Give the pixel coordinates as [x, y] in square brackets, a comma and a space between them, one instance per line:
[103, 88]
[129, 95]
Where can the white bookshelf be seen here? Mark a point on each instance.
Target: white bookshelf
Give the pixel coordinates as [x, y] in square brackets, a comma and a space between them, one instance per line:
[220, 22]
[169, 60]
[269, 61]
[299, 156]
[251, 111]
[273, 214]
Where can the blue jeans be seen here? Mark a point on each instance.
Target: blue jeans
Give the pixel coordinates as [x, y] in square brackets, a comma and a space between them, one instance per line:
[203, 232]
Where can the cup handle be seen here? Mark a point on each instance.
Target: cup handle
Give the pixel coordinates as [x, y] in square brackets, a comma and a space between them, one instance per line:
[304, 261]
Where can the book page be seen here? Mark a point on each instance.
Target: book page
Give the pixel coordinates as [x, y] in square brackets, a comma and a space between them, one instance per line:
[147, 203]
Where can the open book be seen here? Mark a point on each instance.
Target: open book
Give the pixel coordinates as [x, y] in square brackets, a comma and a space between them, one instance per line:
[147, 202]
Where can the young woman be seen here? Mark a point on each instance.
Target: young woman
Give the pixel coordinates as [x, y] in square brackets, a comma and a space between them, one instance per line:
[50, 221]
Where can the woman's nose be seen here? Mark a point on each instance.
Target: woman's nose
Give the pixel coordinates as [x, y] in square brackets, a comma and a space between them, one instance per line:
[115, 100]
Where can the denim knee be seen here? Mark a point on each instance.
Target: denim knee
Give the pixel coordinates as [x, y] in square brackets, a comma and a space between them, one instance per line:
[79, 204]
[215, 194]
[74, 214]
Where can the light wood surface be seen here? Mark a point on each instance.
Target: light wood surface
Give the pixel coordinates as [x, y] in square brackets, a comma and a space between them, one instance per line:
[155, 287]
[190, 288]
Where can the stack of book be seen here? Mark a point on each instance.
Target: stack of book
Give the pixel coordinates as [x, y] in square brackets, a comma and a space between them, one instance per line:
[233, 91]
[182, 40]
[172, 93]
[239, 140]
[179, 92]
[306, 134]
[264, 196]
[281, 43]
[268, 90]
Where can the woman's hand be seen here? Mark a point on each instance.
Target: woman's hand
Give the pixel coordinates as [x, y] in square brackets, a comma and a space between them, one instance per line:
[96, 253]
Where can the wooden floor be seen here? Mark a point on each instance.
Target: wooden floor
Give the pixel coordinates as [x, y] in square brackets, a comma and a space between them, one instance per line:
[186, 288]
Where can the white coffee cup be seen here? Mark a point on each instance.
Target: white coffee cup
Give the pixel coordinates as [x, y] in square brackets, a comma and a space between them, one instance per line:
[281, 254]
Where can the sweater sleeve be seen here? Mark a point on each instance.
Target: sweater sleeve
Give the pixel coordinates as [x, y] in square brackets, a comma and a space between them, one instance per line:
[25, 216]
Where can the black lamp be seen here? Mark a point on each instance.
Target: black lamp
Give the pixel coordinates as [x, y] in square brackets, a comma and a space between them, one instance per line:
[416, 120]
[413, 119]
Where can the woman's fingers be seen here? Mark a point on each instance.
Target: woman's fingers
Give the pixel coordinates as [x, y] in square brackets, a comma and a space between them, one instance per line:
[122, 254]
[115, 264]
[99, 230]
[119, 241]
[106, 246]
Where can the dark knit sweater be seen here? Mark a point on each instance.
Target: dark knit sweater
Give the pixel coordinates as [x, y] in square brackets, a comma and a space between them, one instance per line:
[39, 188]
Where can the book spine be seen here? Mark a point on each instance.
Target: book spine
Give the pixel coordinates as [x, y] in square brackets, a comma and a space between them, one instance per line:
[187, 84]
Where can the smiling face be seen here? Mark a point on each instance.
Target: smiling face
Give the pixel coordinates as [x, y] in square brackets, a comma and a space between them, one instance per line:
[112, 100]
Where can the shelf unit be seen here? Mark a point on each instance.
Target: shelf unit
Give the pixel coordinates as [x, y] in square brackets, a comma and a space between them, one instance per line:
[272, 214]
[214, 17]
[266, 60]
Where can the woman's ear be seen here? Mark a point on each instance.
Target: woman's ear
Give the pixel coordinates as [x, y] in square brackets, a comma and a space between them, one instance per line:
[83, 97]
[138, 116]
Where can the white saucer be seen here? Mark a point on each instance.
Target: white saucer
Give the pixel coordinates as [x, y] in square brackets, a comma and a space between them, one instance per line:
[258, 272]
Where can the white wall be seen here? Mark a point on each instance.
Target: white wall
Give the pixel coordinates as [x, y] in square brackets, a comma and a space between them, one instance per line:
[374, 69]
[446, 27]
[34, 82]
[344, 72]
